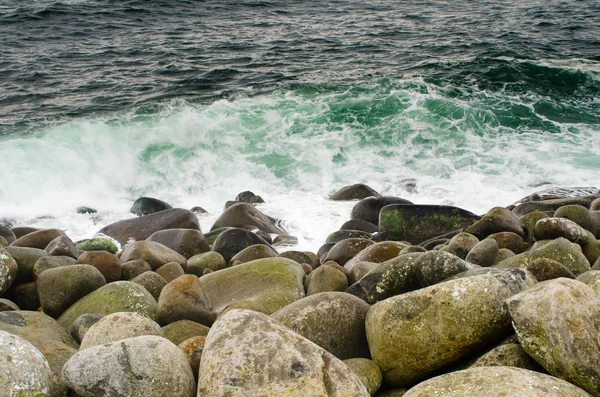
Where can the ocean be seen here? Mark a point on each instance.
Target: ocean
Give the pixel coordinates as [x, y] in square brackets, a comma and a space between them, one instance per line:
[481, 103]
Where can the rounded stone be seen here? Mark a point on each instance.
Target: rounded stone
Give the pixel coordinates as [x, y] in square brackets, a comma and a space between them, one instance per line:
[368, 209]
[118, 326]
[367, 371]
[378, 253]
[325, 279]
[346, 249]
[484, 253]
[98, 244]
[234, 240]
[192, 348]
[170, 271]
[509, 240]
[108, 264]
[152, 282]
[187, 242]
[148, 205]
[185, 299]
[357, 191]
[8, 270]
[155, 254]
[51, 262]
[254, 252]
[210, 260]
[578, 214]
[547, 269]
[551, 228]
[181, 330]
[82, 324]
[461, 244]
[134, 268]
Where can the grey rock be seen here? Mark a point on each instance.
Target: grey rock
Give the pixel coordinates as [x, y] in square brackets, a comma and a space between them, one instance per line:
[119, 326]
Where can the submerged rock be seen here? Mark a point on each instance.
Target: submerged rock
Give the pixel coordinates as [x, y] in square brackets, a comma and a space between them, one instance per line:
[244, 214]
[148, 205]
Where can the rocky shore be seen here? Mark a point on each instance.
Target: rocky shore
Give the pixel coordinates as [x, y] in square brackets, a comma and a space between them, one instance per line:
[404, 300]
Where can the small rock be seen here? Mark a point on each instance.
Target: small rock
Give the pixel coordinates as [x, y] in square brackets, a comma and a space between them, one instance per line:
[547, 269]
[496, 220]
[346, 249]
[192, 348]
[184, 299]
[244, 214]
[551, 228]
[187, 242]
[82, 324]
[578, 214]
[51, 262]
[181, 330]
[62, 246]
[108, 264]
[98, 244]
[435, 266]
[148, 205]
[26, 259]
[119, 326]
[170, 271]
[359, 224]
[254, 252]
[378, 253]
[234, 240]
[38, 239]
[155, 254]
[8, 270]
[368, 209]
[210, 260]
[152, 282]
[354, 192]
[367, 371]
[484, 253]
[325, 279]
[134, 268]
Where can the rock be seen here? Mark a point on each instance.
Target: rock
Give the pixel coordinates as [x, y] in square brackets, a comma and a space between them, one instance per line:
[274, 282]
[141, 228]
[367, 371]
[435, 266]
[8, 234]
[38, 239]
[249, 353]
[26, 259]
[325, 279]
[495, 381]
[247, 305]
[507, 355]
[232, 241]
[170, 271]
[509, 240]
[547, 269]
[496, 220]
[148, 205]
[439, 325]
[244, 214]
[346, 249]
[181, 330]
[249, 197]
[359, 224]
[302, 257]
[98, 244]
[209, 260]
[192, 348]
[360, 270]
[555, 193]
[461, 244]
[354, 192]
[551, 228]
[187, 242]
[108, 264]
[529, 222]
[85, 210]
[144, 366]
[254, 252]
[391, 393]
[393, 277]
[8, 270]
[6, 305]
[368, 209]
[62, 246]
[3, 242]
[378, 253]
[61, 287]
[119, 326]
[152, 282]
[285, 240]
[155, 254]
[25, 295]
[578, 214]
[332, 320]
[484, 253]
[20, 231]
[418, 223]
[25, 371]
[213, 234]
[344, 234]
[82, 325]
[51, 262]
[134, 268]
[551, 205]
[558, 323]
[119, 296]
[592, 279]
[184, 299]
[591, 249]
[503, 253]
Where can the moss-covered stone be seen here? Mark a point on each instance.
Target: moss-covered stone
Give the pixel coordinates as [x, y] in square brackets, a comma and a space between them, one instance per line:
[367, 371]
[155, 254]
[254, 252]
[213, 234]
[209, 260]
[26, 259]
[346, 249]
[234, 240]
[496, 220]
[551, 228]
[483, 253]
[529, 220]
[378, 253]
[8, 270]
[507, 355]
[98, 244]
[181, 330]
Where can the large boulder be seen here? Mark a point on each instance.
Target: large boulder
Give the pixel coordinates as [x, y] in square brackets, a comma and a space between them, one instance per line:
[357, 191]
[155, 254]
[143, 366]
[551, 228]
[141, 228]
[62, 246]
[244, 214]
[558, 324]
[184, 299]
[497, 220]
[418, 223]
[119, 326]
[8, 270]
[148, 205]
[418, 333]
[495, 381]
[108, 264]
[38, 239]
[273, 282]
[332, 320]
[187, 242]
[120, 296]
[248, 353]
[368, 209]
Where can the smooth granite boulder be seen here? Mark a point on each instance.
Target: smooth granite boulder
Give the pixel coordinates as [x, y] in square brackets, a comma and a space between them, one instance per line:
[551, 228]
[558, 324]
[547, 269]
[496, 220]
[187, 242]
[234, 240]
[368, 209]
[8, 270]
[141, 228]
[357, 191]
[119, 326]
[245, 214]
[378, 253]
[38, 239]
[359, 224]
[248, 353]
[418, 223]
[367, 371]
[184, 299]
[413, 335]
[7, 234]
[496, 381]
[509, 240]
[155, 254]
[273, 282]
[25, 371]
[332, 320]
[143, 366]
[108, 264]
[148, 205]
[120, 296]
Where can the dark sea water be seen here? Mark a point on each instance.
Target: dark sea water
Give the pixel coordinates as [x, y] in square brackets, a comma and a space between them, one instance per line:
[192, 102]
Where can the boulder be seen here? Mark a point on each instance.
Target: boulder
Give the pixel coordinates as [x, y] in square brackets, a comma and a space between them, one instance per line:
[249, 353]
[244, 214]
[418, 223]
[484, 253]
[98, 244]
[346, 249]
[367, 371]
[134, 268]
[551, 228]
[143, 366]
[302, 257]
[38, 239]
[8, 270]
[119, 326]
[120, 296]
[82, 324]
[181, 330]
[578, 214]
[507, 355]
[345, 234]
[25, 295]
[141, 228]
[360, 270]
[547, 269]
[592, 279]
[252, 253]
[326, 278]
[495, 381]
[61, 287]
[496, 220]
[209, 260]
[20, 231]
[8, 234]
[359, 224]
[62, 246]
[51, 262]
[368, 209]
[357, 191]
[413, 335]
[185, 299]
[7, 305]
[558, 324]
[155, 254]
[234, 240]
[378, 253]
[509, 240]
[152, 282]
[26, 259]
[332, 320]
[529, 222]
[273, 282]
[148, 205]
[108, 264]
[283, 240]
[170, 271]
[187, 242]
[461, 244]
[435, 266]
[192, 348]
[551, 205]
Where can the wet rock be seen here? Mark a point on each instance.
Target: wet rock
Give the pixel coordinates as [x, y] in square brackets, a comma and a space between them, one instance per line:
[495, 381]
[435, 266]
[108, 264]
[7, 305]
[378, 253]
[439, 325]
[497, 220]
[547, 269]
[184, 299]
[461, 244]
[591, 249]
[98, 244]
[192, 348]
[557, 323]
[8, 271]
[155, 254]
[367, 371]
[8, 234]
[20, 231]
[483, 253]
[354, 192]
[418, 223]
[344, 234]
[551, 228]
[509, 240]
[285, 240]
[152, 282]
[254, 252]
[551, 205]
[346, 249]
[209, 260]
[244, 214]
[182, 330]
[82, 325]
[234, 240]
[51, 262]
[302, 257]
[249, 353]
[144, 366]
[368, 209]
[38, 239]
[187, 242]
[141, 228]
[148, 205]
[26, 259]
[62, 246]
[213, 234]
[119, 326]
[325, 279]
[134, 268]
[359, 224]
[332, 320]
[249, 197]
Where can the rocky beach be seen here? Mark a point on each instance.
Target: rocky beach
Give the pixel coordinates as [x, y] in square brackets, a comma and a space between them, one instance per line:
[403, 300]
